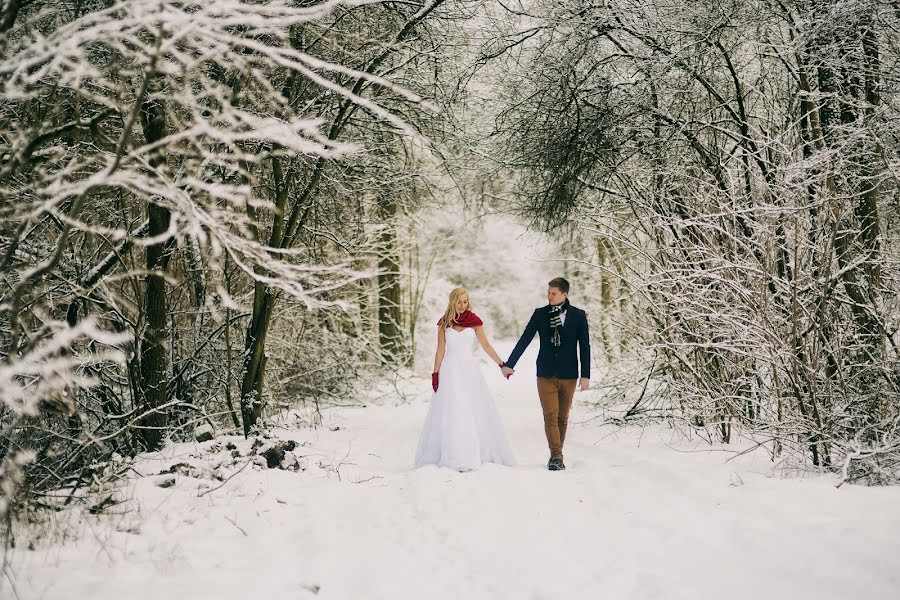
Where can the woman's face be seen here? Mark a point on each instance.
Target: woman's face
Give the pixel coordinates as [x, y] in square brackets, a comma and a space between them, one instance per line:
[462, 303]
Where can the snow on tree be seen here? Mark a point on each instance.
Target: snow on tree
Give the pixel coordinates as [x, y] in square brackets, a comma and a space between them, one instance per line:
[738, 161]
[138, 142]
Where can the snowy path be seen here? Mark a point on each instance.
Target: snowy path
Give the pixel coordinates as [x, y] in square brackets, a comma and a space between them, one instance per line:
[632, 518]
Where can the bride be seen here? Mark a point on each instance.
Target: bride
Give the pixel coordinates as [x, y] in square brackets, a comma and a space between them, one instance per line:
[462, 429]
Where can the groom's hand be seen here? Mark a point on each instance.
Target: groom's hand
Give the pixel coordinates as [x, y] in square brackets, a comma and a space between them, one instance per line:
[507, 372]
[585, 384]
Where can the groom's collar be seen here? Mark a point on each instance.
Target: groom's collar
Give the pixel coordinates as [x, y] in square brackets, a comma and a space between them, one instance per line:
[565, 308]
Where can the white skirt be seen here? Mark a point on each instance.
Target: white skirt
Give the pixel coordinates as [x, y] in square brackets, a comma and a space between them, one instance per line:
[462, 429]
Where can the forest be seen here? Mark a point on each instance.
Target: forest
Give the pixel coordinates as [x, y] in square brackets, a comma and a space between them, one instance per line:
[211, 212]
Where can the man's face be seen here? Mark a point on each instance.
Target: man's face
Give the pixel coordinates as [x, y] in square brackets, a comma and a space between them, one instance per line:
[554, 296]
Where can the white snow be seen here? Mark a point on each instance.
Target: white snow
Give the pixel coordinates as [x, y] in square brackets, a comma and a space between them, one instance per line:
[638, 515]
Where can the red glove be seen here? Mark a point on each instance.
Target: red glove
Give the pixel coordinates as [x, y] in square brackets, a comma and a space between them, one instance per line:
[434, 381]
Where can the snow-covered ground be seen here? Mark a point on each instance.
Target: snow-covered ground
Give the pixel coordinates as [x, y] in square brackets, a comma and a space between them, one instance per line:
[637, 515]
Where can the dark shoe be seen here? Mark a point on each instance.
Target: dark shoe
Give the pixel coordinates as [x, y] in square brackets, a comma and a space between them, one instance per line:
[556, 464]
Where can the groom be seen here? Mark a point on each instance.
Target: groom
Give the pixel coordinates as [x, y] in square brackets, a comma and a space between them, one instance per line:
[562, 328]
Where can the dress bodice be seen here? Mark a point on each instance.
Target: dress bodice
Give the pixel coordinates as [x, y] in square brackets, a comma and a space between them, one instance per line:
[459, 343]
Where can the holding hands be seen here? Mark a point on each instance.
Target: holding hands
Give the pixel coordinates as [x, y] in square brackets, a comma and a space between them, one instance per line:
[507, 372]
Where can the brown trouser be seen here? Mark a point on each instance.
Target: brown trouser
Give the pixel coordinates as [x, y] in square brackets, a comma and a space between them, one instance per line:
[556, 400]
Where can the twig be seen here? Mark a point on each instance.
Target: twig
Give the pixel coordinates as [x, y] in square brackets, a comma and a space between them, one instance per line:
[241, 529]
[210, 490]
[643, 391]
[369, 479]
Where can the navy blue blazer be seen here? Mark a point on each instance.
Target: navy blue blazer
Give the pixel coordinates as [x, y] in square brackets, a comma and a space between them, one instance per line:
[559, 362]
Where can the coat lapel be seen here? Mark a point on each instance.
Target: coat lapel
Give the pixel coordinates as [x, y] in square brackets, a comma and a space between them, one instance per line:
[545, 322]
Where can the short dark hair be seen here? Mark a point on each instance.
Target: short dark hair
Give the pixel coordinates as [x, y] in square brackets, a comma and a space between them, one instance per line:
[560, 284]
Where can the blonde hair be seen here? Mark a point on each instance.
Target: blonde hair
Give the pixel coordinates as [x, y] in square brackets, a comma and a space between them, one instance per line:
[451, 314]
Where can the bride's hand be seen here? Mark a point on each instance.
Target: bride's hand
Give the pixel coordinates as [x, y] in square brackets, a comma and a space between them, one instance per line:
[507, 372]
[434, 381]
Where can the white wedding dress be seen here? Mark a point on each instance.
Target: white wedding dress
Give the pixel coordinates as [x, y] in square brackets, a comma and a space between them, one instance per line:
[462, 429]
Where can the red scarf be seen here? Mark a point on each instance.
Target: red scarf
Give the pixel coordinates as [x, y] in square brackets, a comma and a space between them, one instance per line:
[466, 319]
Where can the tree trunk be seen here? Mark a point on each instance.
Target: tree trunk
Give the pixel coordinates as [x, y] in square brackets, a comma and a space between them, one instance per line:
[390, 332]
[603, 259]
[860, 237]
[254, 366]
[9, 14]
[849, 96]
[154, 363]
[254, 348]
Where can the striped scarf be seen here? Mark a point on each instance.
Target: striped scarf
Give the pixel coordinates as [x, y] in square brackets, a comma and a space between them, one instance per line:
[556, 322]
